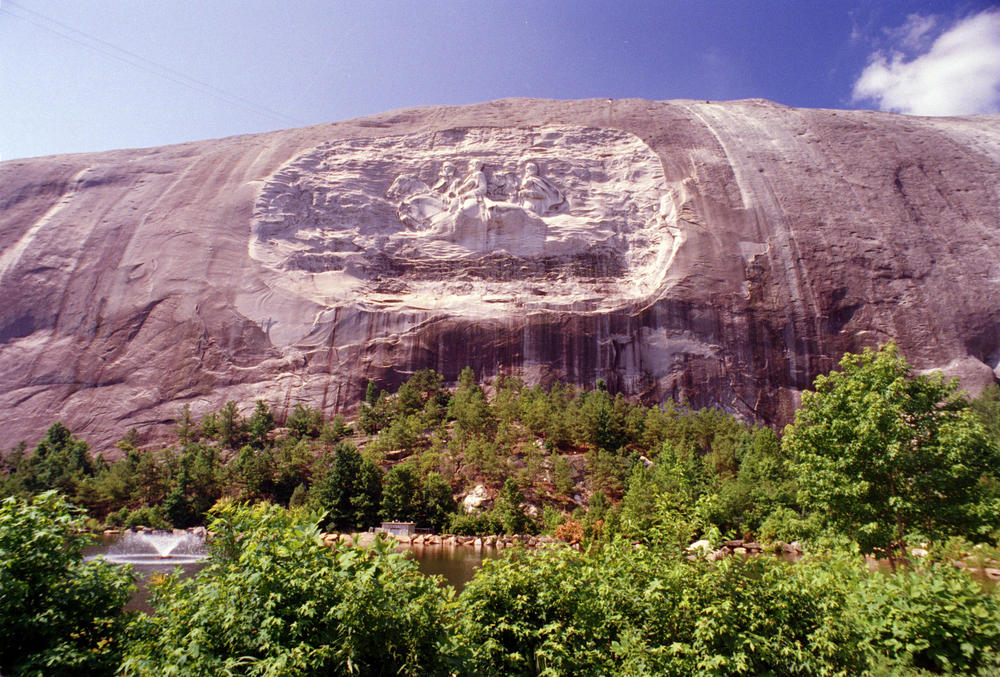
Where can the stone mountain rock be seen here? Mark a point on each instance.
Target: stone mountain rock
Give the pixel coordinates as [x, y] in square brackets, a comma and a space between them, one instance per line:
[720, 253]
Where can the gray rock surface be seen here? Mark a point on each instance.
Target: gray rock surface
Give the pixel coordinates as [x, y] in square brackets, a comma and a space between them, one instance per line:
[720, 253]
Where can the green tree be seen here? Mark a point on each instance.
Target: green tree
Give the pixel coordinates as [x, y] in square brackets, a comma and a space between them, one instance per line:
[881, 453]
[437, 502]
[400, 493]
[231, 427]
[260, 424]
[185, 426]
[254, 469]
[562, 476]
[59, 615]
[60, 462]
[373, 416]
[350, 490]
[304, 421]
[508, 509]
[469, 407]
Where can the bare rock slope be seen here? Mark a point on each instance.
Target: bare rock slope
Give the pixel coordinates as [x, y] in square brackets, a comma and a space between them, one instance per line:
[722, 253]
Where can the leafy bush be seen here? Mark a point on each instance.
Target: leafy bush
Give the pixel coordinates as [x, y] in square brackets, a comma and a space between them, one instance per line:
[474, 524]
[619, 610]
[275, 599]
[59, 615]
[935, 619]
[881, 453]
[153, 517]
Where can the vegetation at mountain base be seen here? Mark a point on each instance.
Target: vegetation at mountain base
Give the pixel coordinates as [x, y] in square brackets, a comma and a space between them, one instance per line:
[877, 460]
[875, 452]
[622, 610]
[276, 600]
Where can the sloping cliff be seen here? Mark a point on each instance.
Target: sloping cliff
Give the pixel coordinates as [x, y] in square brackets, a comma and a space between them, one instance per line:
[720, 253]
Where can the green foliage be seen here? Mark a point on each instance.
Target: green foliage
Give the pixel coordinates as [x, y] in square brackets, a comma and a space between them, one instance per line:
[437, 502]
[987, 407]
[349, 491]
[261, 423]
[400, 494]
[185, 426]
[300, 497]
[469, 408]
[58, 614]
[153, 517]
[275, 600]
[304, 422]
[334, 431]
[562, 476]
[931, 619]
[622, 611]
[375, 413]
[509, 512]
[254, 472]
[61, 461]
[881, 454]
[178, 509]
[474, 524]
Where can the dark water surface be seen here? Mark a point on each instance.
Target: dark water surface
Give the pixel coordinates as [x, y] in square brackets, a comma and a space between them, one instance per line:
[456, 565]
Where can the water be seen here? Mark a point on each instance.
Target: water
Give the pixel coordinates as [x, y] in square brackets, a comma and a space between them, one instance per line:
[455, 563]
[160, 548]
[157, 552]
[162, 552]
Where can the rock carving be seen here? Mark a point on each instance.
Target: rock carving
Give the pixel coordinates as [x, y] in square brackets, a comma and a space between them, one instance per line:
[574, 207]
[538, 194]
[479, 214]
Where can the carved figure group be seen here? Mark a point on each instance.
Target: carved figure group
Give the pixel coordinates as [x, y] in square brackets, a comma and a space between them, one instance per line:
[473, 212]
[419, 204]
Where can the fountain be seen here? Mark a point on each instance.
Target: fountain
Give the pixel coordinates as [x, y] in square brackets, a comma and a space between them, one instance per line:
[156, 547]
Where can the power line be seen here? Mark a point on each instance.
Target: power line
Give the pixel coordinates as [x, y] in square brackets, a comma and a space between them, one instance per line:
[104, 48]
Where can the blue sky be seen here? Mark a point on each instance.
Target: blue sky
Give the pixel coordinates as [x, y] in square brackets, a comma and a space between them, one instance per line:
[79, 75]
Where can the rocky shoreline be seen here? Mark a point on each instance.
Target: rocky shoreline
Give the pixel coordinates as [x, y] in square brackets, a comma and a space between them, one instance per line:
[449, 540]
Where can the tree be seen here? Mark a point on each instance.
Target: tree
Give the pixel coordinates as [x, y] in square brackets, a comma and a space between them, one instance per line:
[881, 453]
[437, 502]
[60, 461]
[508, 509]
[59, 615]
[350, 490]
[260, 424]
[230, 426]
[185, 426]
[400, 494]
[469, 407]
[304, 421]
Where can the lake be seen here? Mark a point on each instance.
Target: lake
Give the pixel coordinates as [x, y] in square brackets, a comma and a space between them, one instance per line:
[455, 564]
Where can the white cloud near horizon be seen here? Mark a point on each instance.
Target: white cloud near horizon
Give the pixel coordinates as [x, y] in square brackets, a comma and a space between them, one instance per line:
[958, 74]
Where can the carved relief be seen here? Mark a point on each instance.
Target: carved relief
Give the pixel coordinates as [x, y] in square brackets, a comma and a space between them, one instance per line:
[477, 212]
[584, 203]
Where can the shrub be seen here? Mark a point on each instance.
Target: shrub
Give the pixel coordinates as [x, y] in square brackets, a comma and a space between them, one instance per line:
[474, 524]
[275, 600]
[59, 615]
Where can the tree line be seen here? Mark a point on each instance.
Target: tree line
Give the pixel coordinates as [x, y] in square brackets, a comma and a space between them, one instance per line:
[875, 452]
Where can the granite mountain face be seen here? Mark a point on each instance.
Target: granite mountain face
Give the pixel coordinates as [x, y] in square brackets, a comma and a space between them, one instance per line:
[719, 253]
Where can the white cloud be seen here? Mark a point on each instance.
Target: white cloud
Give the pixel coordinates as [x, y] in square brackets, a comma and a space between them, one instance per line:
[958, 75]
[915, 31]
